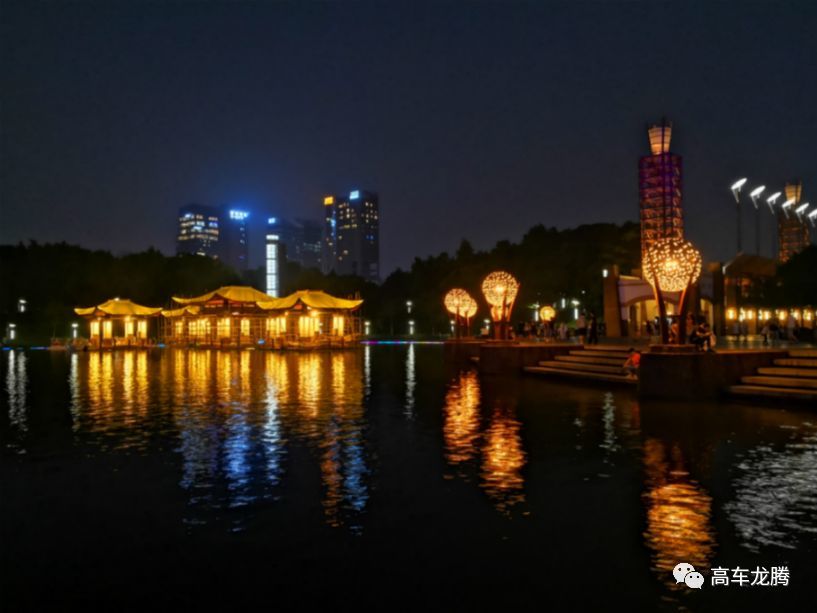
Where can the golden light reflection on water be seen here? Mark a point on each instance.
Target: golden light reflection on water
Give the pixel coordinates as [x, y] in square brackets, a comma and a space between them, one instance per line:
[679, 513]
[235, 415]
[499, 448]
[461, 418]
[503, 459]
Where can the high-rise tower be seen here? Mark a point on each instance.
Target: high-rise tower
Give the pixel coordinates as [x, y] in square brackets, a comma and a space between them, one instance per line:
[659, 189]
[351, 244]
[792, 230]
[198, 230]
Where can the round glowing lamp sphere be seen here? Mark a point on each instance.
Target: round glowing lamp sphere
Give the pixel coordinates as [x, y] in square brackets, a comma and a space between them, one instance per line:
[547, 313]
[675, 263]
[459, 302]
[500, 288]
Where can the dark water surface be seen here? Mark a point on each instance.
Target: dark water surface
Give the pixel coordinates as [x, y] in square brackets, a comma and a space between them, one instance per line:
[382, 477]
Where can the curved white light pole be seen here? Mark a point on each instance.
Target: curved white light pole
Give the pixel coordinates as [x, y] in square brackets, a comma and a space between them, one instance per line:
[754, 195]
[736, 193]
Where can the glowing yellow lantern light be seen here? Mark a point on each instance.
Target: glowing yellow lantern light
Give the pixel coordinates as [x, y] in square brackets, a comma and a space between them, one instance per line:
[500, 289]
[547, 313]
[782, 314]
[807, 315]
[671, 265]
[796, 313]
[675, 264]
[750, 314]
[459, 302]
[329, 200]
[461, 305]
[730, 314]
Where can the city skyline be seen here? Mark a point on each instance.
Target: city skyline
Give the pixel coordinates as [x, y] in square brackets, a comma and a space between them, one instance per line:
[462, 139]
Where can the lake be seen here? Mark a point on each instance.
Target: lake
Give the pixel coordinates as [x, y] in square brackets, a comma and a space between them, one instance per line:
[382, 477]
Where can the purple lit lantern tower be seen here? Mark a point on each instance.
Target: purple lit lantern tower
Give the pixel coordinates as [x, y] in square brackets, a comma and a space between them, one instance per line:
[659, 187]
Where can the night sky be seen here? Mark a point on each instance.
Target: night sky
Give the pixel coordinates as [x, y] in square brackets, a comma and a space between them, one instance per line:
[474, 121]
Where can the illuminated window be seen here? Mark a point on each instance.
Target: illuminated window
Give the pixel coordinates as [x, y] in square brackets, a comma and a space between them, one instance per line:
[245, 327]
[94, 329]
[128, 328]
[307, 326]
[338, 322]
[107, 329]
[142, 329]
[223, 327]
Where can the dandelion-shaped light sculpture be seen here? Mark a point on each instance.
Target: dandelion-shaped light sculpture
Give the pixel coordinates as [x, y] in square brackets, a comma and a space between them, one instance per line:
[547, 313]
[500, 289]
[672, 265]
[462, 306]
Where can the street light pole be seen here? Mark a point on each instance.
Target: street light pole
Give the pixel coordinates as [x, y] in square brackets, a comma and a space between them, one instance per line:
[770, 201]
[736, 193]
[755, 194]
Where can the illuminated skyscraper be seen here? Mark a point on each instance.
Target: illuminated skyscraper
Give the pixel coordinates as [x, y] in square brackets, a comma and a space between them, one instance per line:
[792, 228]
[329, 234]
[273, 260]
[198, 231]
[233, 249]
[659, 189]
[351, 243]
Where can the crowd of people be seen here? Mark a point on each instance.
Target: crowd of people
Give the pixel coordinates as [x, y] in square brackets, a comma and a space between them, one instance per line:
[587, 330]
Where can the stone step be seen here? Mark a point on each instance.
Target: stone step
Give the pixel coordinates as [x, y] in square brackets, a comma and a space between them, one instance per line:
[590, 360]
[780, 381]
[608, 348]
[803, 353]
[598, 354]
[787, 372]
[804, 362]
[612, 370]
[576, 374]
[772, 392]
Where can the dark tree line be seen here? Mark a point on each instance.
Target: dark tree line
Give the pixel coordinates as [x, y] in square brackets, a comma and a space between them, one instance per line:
[549, 264]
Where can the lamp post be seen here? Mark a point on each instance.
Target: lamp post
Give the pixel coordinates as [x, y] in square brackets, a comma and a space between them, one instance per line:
[754, 195]
[500, 289]
[672, 265]
[736, 193]
[771, 201]
[463, 307]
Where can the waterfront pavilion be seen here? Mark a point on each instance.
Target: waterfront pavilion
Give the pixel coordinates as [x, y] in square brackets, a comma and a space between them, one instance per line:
[239, 316]
[119, 323]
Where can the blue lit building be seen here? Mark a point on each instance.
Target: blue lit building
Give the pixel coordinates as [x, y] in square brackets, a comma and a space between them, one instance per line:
[233, 242]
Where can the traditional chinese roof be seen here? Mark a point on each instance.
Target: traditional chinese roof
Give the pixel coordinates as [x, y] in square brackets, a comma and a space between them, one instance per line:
[314, 299]
[185, 310]
[118, 307]
[232, 293]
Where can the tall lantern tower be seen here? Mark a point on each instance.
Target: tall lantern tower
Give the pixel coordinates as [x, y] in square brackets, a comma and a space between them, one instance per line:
[792, 231]
[659, 189]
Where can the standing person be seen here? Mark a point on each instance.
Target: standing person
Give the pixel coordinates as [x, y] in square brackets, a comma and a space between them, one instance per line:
[581, 327]
[764, 332]
[593, 336]
[791, 324]
[563, 331]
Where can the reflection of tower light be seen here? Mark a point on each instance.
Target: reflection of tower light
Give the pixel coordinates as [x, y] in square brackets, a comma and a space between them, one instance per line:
[678, 515]
[16, 384]
[410, 381]
[503, 459]
[461, 418]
